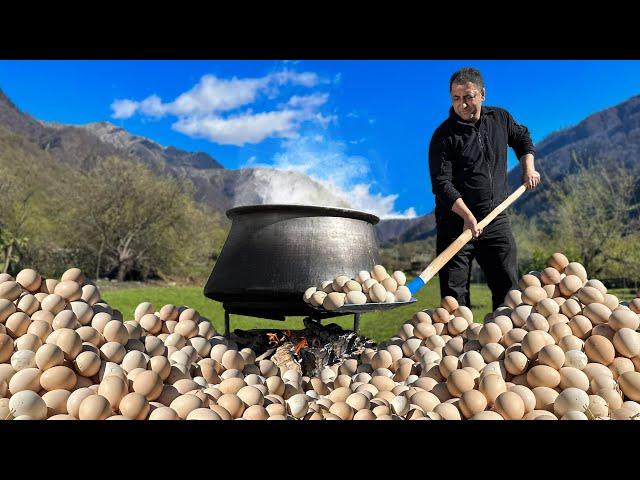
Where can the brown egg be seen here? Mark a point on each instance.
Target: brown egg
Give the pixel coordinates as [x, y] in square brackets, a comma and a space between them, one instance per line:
[94, 407]
[459, 382]
[516, 363]
[389, 284]
[87, 364]
[489, 333]
[533, 342]
[59, 377]
[186, 328]
[621, 365]
[597, 313]
[580, 326]
[532, 295]
[545, 398]
[148, 384]
[17, 324]
[151, 323]
[113, 388]
[448, 411]
[558, 261]
[629, 384]
[231, 385]
[134, 406]
[163, 413]
[571, 307]
[491, 386]
[552, 356]
[513, 298]
[598, 406]
[573, 378]
[69, 342]
[254, 412]
[100, 320]
[10, 290]
[543, 376]
[7, 308]
[520, 314]
[112, 352]
[604, 330]
[115, 331]
[515, 335]
[624, 319]
[550, 276]
[570, 342]
[547, 307]
[575, 268]
[28, 341]
[509, 405]
[69, 290]
[450, 304]
[627, 342]
[588, 295]
[65, 319]
[48, 356]
[441, 315]
[536, 321]
[28, 304]
[56, 401]
[29, 279]
[342, 410]
[527, 281]
[168, 312]
[333, 301]
[612, 397]
[599, 349]
[355, 298]
[569, 285]
[26, 379]
[454, 327]
[379, 273]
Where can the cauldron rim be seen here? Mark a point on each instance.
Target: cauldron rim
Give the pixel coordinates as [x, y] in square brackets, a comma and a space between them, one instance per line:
[325, 211]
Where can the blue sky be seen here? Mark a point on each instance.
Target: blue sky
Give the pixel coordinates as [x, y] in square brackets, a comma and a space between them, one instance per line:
[361, 128]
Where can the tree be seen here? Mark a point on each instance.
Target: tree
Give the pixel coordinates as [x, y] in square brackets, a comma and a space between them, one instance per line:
[15, 208]
[129, 216]
[595, 216]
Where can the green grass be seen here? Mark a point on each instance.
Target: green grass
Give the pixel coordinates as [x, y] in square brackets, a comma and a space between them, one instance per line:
[375, 325]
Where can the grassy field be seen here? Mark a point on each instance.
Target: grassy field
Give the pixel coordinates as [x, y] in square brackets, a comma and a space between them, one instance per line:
[376, 325]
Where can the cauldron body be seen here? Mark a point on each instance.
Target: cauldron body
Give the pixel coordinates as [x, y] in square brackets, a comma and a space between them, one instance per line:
[273, 253]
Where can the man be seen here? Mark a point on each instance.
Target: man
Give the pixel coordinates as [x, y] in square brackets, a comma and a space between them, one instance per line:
[468, 167]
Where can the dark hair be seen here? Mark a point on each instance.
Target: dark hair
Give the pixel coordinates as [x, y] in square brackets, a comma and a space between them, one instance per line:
[467, 74]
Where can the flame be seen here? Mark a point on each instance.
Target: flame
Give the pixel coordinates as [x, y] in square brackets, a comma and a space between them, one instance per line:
[273, 339]
[302, 343]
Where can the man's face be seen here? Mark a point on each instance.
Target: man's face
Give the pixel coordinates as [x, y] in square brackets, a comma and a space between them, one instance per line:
[467, 100]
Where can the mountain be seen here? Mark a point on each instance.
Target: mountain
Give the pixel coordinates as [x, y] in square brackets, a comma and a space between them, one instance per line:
[610, 134]
[81, 146]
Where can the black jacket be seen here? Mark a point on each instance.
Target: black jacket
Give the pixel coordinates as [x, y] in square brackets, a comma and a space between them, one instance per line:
[470, 161]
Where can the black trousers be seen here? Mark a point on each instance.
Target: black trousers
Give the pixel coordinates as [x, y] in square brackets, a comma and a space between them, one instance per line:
[495, 252]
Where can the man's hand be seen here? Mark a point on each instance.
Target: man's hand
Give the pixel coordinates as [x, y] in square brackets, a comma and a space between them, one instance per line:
[531, 179]
[471, 223]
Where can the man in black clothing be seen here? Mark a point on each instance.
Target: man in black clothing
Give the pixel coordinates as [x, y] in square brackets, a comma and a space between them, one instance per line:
[468, 167]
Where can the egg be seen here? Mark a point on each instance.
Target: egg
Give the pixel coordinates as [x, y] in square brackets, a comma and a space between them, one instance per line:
[151, 323]
[630, 385]
[17, 324]
[576, 359]
[10, 290]
[69, 342]
[570, 342]
[509, 405]
[624, 319]
[580, 326]
[491, 386]
[56, 401]
[26, 379]
[134, 406]
[543, 376]
[527, 281]
[520, 314]
[570, 285]
[28, 403]
[599, 349]
[459, 381]
[516, 363]
[355, 298]
[552, 355]
[402, 294]
[94, 407]
[447, 411]
[573, 378]
[59, 377]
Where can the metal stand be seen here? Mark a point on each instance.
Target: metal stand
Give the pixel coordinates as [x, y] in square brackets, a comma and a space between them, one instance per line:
[227, 332]
[356, 322]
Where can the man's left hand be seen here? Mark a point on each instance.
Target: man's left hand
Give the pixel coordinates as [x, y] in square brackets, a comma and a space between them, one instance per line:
[531, 179]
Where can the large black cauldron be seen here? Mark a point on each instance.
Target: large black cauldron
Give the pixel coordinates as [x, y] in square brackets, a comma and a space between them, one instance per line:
[273, 253]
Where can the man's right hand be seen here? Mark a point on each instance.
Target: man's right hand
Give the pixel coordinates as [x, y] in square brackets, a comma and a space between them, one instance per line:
[471, 223]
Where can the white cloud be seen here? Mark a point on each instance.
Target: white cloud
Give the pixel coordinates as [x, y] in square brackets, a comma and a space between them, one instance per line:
[124, 108]
[345, 176]
[199, 111]
[241, 129]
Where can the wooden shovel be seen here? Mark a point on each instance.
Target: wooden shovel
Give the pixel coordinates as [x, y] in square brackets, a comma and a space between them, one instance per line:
[428, 273]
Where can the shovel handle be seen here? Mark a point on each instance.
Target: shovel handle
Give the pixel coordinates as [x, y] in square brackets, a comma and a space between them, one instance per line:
[438, 262]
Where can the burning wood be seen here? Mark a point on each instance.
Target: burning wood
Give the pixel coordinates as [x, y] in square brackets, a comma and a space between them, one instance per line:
[307, 351]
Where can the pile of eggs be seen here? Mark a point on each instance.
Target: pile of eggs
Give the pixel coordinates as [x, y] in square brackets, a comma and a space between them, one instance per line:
[376, 286]
[560, 347]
